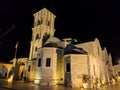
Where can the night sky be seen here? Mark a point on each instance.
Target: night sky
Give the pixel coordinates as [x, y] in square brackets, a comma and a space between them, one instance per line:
[80, 19]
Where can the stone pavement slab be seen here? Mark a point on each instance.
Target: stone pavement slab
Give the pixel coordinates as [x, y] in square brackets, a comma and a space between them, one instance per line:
[19, 85]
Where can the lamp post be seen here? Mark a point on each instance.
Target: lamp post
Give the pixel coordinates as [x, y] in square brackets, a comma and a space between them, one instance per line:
[15, 62]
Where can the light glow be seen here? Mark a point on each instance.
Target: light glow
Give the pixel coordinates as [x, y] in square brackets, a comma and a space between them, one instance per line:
[37, 81]
[102, 81]
[118, 78]
[85, 85]
[10, 79]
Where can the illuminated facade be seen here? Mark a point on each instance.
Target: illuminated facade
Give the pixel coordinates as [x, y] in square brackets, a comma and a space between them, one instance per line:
[53, 61]
[42, 30]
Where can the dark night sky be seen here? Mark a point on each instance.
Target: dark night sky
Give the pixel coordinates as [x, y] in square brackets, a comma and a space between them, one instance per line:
[83, 20]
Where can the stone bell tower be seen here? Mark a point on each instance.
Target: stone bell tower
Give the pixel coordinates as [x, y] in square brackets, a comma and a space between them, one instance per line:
[43, 29]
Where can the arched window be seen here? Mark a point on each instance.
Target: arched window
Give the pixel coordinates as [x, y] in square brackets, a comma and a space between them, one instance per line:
[37, 37]
[40, 22]
[48, 23]
[35, 49]
[29, 67]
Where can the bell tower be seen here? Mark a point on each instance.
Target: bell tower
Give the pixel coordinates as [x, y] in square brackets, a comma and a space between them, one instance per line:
[43, 28]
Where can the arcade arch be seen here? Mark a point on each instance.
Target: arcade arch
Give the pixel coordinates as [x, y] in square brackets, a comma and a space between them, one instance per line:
[20, 71]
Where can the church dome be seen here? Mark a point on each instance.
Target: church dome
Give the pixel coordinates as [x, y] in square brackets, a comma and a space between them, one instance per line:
[53, 42]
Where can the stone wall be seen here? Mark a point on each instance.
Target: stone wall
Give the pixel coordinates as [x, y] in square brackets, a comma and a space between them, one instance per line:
[78, 68]
[47, 74]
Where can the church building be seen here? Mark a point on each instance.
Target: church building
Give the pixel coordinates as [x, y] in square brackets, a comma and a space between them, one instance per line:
[54, 61]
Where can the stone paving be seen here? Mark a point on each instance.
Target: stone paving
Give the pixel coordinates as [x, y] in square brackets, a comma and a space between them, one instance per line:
[19, 85]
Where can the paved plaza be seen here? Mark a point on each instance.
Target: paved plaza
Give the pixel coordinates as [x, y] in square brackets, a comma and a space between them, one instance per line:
[19, 85]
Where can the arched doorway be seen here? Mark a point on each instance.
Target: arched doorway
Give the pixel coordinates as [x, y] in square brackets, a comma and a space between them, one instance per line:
[23, 74]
